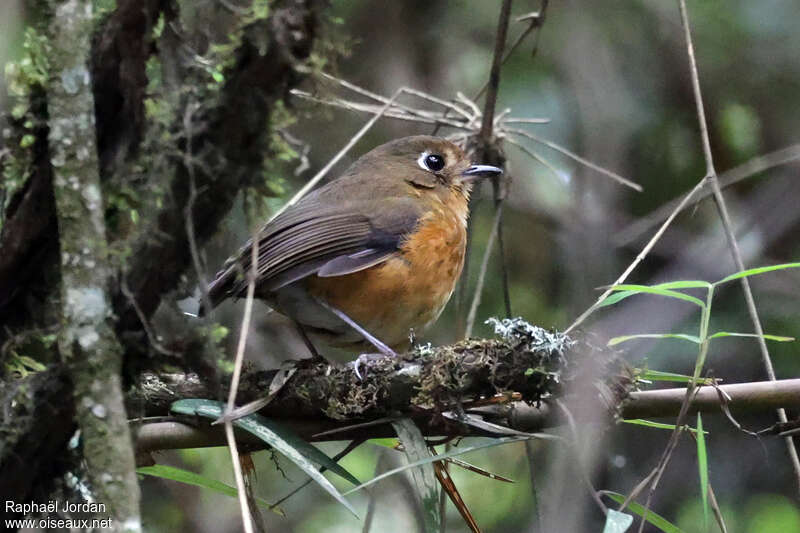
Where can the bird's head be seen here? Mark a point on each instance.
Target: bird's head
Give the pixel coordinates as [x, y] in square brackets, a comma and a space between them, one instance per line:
[429, 166]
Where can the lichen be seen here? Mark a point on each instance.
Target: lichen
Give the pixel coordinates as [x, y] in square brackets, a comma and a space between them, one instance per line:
[86, 305]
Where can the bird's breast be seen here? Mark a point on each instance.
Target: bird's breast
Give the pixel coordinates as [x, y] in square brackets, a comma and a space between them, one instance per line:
[410, 289]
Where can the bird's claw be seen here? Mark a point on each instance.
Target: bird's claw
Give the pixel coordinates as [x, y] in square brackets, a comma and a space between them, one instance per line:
[364, 359]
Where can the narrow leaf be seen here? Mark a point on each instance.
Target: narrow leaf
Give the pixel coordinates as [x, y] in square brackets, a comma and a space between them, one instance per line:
[651, 424]
[686, 284]
[424, 476]
[702, 464]
[653, 518]
[646, 289]
[451, 453]
[756, 271]
[615, 297]
[775, 338]
[387, 443]
[657, 375]
[681, 336]
[301, 453]
[190, 478]
[617, 522]
[478, 470]
[479, 423]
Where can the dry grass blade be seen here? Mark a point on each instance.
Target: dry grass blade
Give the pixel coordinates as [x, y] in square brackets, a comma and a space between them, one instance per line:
[382, 99]
[452, 492]
[247, 519]
[407, 114]
[480, 471]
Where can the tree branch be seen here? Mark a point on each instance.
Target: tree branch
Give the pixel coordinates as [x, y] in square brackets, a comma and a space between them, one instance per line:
[519, 416]
[87, 342]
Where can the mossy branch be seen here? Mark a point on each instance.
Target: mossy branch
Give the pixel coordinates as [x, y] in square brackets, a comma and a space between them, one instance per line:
[86, 340]
[320, 400]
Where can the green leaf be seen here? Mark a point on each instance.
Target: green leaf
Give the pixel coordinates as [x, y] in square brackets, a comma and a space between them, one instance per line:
[702, 464]
[617, 522]
[756, 271]
[424, 477]
[651, 424]
[653, 518]
[657, 375]
[611, 299]
[646, 289]
[682, 336]
[451, 453]
[686, 284]
[751, 335]
[387, 443]
[301, 453]
[190, 478]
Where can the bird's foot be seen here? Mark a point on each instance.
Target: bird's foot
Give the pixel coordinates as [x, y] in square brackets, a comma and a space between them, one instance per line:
[365, 359]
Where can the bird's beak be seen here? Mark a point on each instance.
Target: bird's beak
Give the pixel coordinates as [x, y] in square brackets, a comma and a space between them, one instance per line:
[476, 172]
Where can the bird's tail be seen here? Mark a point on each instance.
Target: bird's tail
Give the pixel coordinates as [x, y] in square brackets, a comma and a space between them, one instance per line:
[218, 290]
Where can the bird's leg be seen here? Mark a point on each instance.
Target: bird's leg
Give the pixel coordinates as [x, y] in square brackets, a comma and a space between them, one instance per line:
[307, 341]
[377, 343]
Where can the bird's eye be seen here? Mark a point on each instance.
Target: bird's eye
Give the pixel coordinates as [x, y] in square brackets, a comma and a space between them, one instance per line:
[432, 162]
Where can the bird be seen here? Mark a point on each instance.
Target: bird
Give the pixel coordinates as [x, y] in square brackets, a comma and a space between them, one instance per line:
[369, 257]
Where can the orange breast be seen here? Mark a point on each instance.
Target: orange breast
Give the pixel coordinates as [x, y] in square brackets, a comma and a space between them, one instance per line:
[408, 291]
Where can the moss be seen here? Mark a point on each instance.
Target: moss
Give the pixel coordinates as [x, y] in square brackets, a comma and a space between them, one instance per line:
[27, 352]
[26, 80]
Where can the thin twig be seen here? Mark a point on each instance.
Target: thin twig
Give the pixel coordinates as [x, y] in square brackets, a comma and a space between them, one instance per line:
[494, 73]
[476, 299]
[148, 330]
[639, 258]
[536, 157]
[741, 172]
[405, 113]
[501, 251]
[247, 519]
[728, 227]
[189, 164]
[382, 99]
[486, 136]
[536, 21]
[577, 158]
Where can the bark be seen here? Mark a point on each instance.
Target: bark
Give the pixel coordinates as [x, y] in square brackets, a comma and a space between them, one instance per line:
[233, 125]
[87, 340]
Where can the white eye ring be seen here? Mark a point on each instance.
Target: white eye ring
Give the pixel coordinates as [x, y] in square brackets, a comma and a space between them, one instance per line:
[424, 164]
[421, 161]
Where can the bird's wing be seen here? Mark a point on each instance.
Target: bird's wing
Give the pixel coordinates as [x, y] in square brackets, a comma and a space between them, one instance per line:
[312, 238]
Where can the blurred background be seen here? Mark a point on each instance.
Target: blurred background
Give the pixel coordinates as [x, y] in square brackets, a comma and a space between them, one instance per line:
[613, 79]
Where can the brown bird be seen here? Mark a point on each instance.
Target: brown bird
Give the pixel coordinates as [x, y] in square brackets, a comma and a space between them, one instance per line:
[371, 255]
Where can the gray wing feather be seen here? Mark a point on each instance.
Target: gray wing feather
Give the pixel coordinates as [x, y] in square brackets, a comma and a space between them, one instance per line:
[314, 238]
